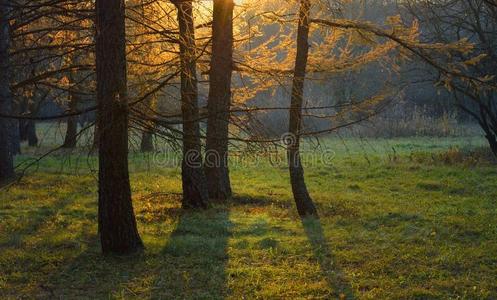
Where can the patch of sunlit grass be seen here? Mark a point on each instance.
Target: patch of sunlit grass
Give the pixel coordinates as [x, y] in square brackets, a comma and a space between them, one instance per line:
[389, 228]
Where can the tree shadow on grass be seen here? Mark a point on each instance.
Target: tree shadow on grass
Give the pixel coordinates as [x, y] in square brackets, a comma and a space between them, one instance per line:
[26, 231]
[195, 257]
[33, 221]
[189, 263]
[334, 274]
[90, 275]
[31, 252]
[261, 202]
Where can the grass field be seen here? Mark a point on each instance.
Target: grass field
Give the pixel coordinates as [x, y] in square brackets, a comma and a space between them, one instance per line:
[404, 219]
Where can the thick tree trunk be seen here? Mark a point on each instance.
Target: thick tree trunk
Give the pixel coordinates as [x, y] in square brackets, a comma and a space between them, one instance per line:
[305, 205]
[216, 159]
[6, 103]
[116, 219]
[195, 192]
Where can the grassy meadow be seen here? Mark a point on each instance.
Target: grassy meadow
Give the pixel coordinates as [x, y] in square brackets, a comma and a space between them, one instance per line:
[412, 218]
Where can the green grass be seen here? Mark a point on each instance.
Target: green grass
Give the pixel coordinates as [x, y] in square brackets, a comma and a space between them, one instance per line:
[401, 224]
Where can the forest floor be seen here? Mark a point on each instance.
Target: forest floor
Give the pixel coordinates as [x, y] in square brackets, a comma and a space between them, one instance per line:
[417, 222]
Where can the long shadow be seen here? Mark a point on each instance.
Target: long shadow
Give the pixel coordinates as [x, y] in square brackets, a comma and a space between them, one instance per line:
[91, 275]
[34, 220]
[195, 257]
[261, 201]
[29, 246]
[60, 282]
[335, 276]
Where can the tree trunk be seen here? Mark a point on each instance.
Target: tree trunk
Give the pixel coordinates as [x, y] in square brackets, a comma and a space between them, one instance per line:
[195, 192]
[31, 126]
[96, 137]
[305, 205]
[216, 159]
[116, 219]
[16, 139]
[492, 142]
[147, 142]
[27, 128]
[6, 102]
[31, 131]
[71, 140]
[486, 120]
[16, 130]
[23, 124]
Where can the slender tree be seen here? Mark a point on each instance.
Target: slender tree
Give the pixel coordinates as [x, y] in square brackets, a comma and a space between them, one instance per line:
[6, 105]
[30, 106]
[70, 140]
[442, 23]
[195, 193]
[147, 142]
[150, 104]
[219, 100]
[305, 205]
[116, 219]
[76, 84]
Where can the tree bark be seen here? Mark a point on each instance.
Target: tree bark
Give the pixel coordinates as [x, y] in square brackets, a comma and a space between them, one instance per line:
[15, 138]
[486, 120]
[219, 100]
[195, 192]
[23, 108]
[27, 128]
[31, 131]
[305, 205]
[31, 126]
[6, 102]
[116, 219]
[16, 131]
[96, 138]
[147, 142]
[71, 140]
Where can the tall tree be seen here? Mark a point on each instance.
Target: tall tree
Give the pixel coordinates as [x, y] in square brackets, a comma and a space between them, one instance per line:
[221, 69]
[442, 23]
[27, 128]
[147, 142]
[305, 205]
[75, 84]
[6, 102]
[195, 192]
[30, 105]
[116, 219]
[70, 140]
